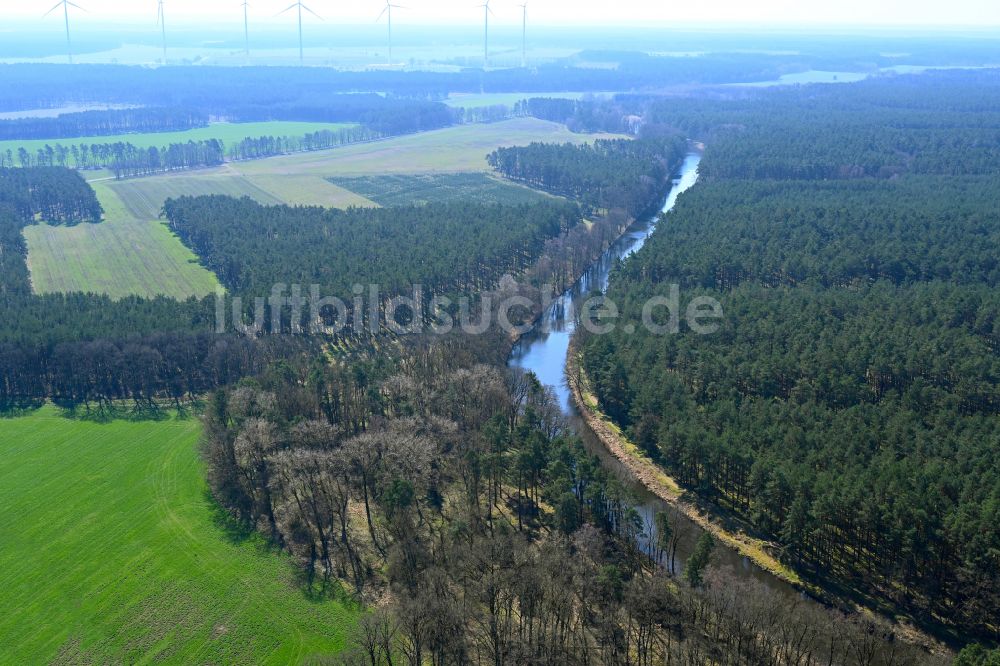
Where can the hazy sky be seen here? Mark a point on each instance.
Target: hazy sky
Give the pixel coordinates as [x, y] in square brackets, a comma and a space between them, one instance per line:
[552, 12]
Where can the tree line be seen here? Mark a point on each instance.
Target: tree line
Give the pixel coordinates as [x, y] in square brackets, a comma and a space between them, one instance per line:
[102, 123]
[319, 94]
[124, 159]
[252, 148]
[847, 407]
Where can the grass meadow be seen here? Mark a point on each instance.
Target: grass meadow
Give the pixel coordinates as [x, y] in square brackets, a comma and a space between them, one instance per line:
[450, 150]
[122, 256]
[306, 190]
[111, 551]
[228, 133]
[405, 190]
[144, 197]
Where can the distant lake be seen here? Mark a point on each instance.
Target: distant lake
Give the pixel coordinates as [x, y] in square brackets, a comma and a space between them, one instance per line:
[820, 76]
[53, 112]
[811, 76]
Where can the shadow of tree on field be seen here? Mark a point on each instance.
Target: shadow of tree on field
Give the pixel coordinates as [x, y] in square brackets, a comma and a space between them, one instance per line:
[235, 531]
[318, 588]
[136, 413]
[13, 409]
[315, 587]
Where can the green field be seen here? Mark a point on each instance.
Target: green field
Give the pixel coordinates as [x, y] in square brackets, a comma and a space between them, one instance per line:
[307, 190]
[305, 178]
[144, 197]
[228, 133]
[122, 256]
[111, 552]
[435, 188]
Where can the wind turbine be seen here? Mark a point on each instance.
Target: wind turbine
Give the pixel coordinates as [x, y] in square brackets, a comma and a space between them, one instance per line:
[246, 28]
[387, 11]
[486, 33]
[161, 20]
[300, 7]
[66, 4]
[524, 35]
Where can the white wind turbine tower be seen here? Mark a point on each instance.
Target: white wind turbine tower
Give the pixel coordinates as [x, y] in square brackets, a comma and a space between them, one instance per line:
[387, 12]
[486, 33]
[161, 20]
[66, 4]
[524, 35]
[298, 5]
[246, 29]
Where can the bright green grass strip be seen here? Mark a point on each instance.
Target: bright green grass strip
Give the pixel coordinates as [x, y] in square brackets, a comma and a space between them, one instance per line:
[121, 256]
[228, 133]
[112, 552]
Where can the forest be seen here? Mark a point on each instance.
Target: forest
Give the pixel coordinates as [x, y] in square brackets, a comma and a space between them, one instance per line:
[56, 195]
[448, 248]
[84, 348]
[71, 346]
[608, 174]
[935, 123]
[323, 94]
[234, 95]
[834, 233]
[100, 123]
[621, 114]
[455, 487]
[847, 408]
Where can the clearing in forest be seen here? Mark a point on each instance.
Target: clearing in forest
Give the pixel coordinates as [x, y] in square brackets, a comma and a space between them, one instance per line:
[124, 255]
[111, 551]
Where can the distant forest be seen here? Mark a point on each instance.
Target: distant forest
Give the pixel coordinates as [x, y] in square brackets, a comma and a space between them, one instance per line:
[102, 123]
[848, 406]
[278, 93]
